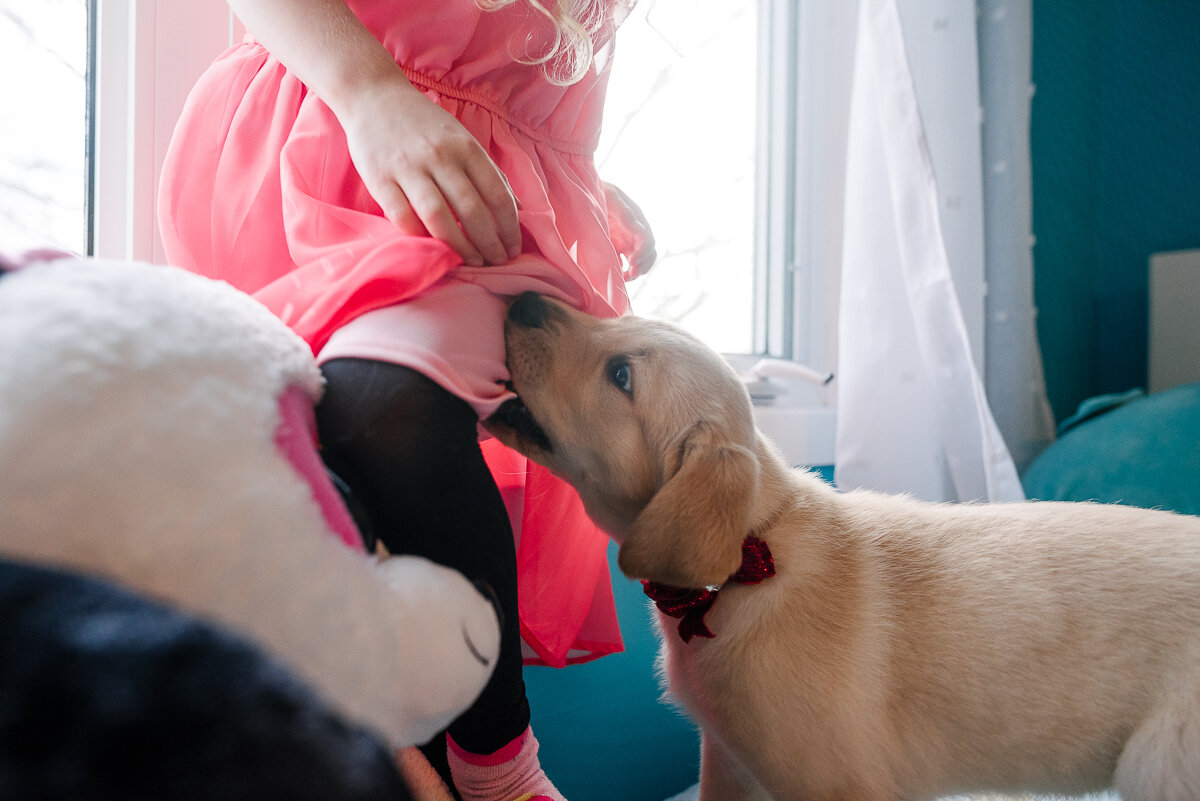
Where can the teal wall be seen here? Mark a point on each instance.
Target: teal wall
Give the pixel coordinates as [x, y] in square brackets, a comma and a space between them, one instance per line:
[1116, 176]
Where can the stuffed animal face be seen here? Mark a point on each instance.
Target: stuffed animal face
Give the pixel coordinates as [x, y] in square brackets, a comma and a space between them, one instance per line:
[135, 393]
[156, 429]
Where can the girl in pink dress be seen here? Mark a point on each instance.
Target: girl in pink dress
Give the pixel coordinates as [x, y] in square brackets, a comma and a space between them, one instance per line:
[385, 175]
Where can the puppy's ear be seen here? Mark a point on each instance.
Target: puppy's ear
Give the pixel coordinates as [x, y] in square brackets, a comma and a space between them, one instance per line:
[690, 533]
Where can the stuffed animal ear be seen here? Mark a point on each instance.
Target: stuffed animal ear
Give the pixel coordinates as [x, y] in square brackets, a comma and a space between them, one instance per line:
[690, 533]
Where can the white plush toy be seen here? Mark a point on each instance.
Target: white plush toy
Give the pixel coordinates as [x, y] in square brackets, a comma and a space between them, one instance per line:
[156, 430]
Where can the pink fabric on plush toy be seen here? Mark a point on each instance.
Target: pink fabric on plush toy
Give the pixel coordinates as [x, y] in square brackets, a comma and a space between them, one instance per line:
[14, 260]
[296, 439]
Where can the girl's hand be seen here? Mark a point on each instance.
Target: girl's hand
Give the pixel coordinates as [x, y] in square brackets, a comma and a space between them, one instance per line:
[429, 174]
[424, 169]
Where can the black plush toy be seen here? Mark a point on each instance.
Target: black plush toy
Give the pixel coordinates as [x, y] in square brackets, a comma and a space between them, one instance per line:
[105, 695]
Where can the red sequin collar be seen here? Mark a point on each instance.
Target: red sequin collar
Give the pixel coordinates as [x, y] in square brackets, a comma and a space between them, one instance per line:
[690, 606]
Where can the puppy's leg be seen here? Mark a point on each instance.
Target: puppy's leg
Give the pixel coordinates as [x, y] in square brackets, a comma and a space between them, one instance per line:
[1161, 761]
[722, 777]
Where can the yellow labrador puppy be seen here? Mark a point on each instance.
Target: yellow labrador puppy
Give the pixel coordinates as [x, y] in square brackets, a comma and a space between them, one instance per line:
[864, 647]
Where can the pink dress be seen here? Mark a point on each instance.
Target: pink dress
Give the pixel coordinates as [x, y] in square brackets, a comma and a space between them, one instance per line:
[258, 190]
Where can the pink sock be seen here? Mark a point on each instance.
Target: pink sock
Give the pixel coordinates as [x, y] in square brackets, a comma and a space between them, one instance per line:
[511, 774]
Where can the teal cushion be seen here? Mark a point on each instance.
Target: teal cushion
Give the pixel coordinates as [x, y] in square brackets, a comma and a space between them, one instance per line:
[1134, 449]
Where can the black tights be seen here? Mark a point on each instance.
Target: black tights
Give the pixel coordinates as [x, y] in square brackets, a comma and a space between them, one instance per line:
[409, 451]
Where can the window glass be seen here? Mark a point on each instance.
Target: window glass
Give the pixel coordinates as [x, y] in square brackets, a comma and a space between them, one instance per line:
[679, 138]
[43, 59]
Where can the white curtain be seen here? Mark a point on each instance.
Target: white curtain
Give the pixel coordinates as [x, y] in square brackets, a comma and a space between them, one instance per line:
[912, 412]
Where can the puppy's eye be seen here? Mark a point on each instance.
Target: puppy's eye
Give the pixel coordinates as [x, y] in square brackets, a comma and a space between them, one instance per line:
[620, 375]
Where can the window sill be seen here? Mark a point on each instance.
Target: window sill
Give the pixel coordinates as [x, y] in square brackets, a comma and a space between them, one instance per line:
[805, 434]
[796, 414]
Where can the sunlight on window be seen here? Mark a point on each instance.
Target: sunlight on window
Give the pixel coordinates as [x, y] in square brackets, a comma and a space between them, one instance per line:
[679, 137]
[43, 55]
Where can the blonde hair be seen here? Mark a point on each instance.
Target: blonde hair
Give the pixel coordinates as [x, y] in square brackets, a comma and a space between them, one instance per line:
[575, 23]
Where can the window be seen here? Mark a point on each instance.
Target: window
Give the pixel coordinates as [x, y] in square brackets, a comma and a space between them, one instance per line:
[148, 56]
[727, 123]
[87, 125]
[43, 58]
[717, 125]
[679, 137]
[702, 129]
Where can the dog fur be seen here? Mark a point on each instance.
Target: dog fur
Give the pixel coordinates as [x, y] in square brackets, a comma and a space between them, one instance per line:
[904, 650]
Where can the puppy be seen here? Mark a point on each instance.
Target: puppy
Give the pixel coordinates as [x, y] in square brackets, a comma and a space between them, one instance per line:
[863, 647]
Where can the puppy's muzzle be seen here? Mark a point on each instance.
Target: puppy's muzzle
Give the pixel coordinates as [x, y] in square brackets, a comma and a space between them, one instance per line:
[528, 311]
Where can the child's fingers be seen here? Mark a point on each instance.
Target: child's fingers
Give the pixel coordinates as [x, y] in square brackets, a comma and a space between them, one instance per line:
[429, 206]
[448, 187]
[397, 209]
[474, 215]
[501, 203]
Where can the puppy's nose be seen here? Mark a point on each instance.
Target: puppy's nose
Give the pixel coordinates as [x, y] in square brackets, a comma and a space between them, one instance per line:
[529, 310]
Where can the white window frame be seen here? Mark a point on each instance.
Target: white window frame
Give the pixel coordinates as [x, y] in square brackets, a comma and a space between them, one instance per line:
[807, 117]
[148, 54]
[804, 87]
